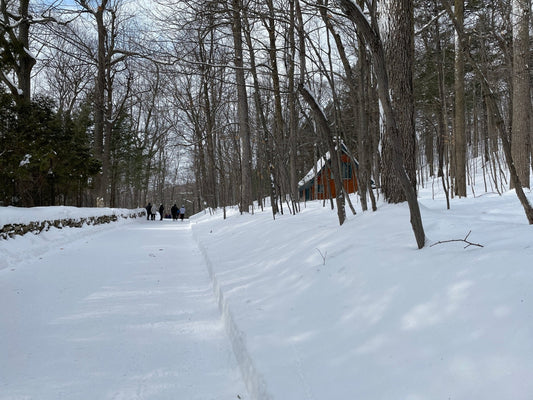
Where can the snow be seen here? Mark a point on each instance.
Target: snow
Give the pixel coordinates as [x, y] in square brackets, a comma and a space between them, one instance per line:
[22, 249]
[125, 313]
[19, 215]
[313, 171]
[30, 53]
[255, 308]
[319, 165]
[9, 80]
[25, 160]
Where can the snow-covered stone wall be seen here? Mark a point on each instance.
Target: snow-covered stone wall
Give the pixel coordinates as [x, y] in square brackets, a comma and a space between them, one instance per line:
[70, 218]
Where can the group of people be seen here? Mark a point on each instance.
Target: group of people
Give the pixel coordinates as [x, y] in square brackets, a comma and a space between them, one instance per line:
[175, 212]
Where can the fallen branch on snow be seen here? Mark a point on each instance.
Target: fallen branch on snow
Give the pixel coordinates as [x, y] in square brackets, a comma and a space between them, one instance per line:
[322, 255]
[468, 243]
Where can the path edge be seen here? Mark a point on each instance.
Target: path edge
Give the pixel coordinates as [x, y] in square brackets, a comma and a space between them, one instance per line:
[255, 384]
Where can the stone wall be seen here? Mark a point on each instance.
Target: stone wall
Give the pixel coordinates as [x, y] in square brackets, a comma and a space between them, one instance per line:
[36, 227]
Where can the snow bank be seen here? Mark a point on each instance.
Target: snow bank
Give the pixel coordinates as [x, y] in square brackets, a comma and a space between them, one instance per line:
[20, 215]
[26, 233]
[319, 311]
[253, 380]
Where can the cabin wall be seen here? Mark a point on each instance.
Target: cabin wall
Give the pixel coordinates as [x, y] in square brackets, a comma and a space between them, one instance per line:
[326, 183]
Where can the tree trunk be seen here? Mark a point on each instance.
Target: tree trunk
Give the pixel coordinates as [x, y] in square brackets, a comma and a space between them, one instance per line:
[459, 121]
[99, 97]
[266, 142]
[293, 113]
[364, 183]
[242, 110]
[15, 45]
[399, 49]
[278, 123]
[372, 38]
[26, 60]
[520, 134]
[440, 111]
[205, 69]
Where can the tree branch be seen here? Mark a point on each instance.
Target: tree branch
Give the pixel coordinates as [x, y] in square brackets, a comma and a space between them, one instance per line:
[468, 243]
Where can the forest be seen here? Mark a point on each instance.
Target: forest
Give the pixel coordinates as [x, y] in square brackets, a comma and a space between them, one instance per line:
[222, 102]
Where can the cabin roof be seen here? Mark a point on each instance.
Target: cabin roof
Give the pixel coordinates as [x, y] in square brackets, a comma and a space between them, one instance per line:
[318, 167]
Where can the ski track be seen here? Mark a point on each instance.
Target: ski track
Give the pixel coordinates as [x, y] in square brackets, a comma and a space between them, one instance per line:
[128, 313]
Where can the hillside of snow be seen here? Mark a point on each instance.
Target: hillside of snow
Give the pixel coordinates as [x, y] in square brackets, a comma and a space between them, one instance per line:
[329, 312]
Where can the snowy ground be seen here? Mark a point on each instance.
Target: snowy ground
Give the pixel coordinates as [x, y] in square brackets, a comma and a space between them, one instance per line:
[359, 312]
[311, 310]
[127, 313]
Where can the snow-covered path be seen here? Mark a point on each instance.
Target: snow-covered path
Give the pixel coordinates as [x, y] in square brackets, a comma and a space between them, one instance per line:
[128, 313]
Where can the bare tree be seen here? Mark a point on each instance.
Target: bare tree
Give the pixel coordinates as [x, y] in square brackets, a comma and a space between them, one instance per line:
[109, 57]
[295, 31]
[459, 125]
[441, 109]
[242, 107]
[66, 78]
[521, 99]
[355, 14]
[325, 126]
[266, 141]
[15, 22]
[399, 54]
[495, 115]
[360, 98]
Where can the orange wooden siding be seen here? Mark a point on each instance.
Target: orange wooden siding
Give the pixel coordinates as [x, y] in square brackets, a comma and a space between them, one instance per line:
[325, 181]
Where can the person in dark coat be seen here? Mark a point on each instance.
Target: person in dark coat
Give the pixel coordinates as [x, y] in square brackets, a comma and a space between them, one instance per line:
[148, 211]
[161, 210]
[174, 212]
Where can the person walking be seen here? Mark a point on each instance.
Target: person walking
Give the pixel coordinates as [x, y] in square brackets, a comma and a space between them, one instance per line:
[161, 210]
[148, 211]
[182, 212]
[174, 211]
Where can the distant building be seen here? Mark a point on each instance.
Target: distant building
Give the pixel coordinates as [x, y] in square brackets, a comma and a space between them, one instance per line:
[318, 184]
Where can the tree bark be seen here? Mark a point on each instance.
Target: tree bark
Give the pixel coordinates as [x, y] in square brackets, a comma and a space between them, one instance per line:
[440, 111]
[242, 109]
[99, 92]
[520, 133]
[459, 121]
[293, 113]
[399, 54]
[205, 69]
[26, 59]
[269, 161]
[355, 14]
[15, 43]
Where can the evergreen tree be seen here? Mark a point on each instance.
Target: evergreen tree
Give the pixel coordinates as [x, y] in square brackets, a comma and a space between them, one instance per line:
[46, 156]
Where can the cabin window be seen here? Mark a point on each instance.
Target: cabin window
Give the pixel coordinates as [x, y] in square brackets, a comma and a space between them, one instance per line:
[320, 189]
[346, 171]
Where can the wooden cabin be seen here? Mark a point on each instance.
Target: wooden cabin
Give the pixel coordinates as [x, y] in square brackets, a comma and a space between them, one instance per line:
[318, 184]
